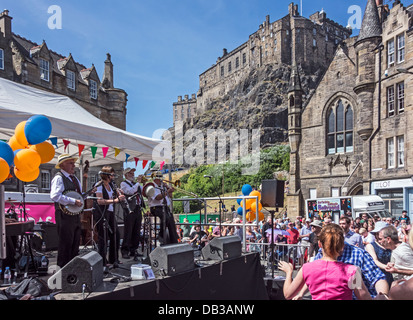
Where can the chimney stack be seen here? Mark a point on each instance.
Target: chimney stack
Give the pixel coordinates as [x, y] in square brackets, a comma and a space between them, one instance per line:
[5, 23]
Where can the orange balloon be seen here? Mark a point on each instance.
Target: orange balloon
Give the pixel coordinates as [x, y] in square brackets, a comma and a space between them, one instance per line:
[45, 150]
[254, 206]
[261, 216]
[14, 144]
[27, 160]
[248, 203]
[4, 170]
[20, 135]
[256, 193]
[250, 216]
[26, 176]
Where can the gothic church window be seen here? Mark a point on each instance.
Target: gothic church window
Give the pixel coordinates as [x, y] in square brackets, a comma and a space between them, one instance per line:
[340, 128]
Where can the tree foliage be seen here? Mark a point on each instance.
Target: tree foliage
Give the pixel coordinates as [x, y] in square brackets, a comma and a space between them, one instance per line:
[230, 175]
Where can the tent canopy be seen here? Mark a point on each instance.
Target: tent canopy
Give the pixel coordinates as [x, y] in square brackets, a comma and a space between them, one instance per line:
[70, 121]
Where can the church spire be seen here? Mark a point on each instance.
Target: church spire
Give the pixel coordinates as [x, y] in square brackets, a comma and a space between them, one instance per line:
[371, 26]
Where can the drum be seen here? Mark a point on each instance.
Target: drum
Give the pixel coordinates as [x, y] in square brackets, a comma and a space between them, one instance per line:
[148, 190]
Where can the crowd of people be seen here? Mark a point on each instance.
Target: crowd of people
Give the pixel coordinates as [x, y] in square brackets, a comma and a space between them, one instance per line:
[380, 251]
[362, 258]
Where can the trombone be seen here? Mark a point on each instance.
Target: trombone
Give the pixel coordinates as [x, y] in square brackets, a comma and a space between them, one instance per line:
[177, 184]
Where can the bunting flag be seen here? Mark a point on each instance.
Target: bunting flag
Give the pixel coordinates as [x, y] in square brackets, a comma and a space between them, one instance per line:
[93, 149]
[54, 141]
[105, 151]
[81, 147]
[66, 143]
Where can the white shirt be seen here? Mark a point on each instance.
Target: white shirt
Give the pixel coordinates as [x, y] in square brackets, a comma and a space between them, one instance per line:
[57, 189]
[153, 202]
[127, 189]
[110, 194]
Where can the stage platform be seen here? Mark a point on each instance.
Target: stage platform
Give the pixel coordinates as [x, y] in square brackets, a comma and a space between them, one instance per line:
[240, 278]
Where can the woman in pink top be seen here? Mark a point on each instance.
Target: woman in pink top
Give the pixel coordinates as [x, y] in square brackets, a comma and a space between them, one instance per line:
[327, 278]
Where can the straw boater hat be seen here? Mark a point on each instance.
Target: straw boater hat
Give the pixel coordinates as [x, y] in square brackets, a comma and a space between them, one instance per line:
[127, 170]
[62, 158]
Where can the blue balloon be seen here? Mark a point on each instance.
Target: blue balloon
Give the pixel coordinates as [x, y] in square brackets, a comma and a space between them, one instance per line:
[37, 129]
[15, 152]
[246, 189]
[6, 152]
[239, 211]
[239, 200]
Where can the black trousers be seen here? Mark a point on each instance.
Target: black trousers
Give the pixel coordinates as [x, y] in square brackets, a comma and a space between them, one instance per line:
[132, 231]
[170, 226]
[68, 231]
[107, 230]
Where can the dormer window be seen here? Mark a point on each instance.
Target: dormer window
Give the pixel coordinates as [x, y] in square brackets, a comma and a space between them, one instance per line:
[70, 80]
[44, 70]
[93, 89]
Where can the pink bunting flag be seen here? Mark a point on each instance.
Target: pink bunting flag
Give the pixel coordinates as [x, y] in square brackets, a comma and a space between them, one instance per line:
[136, 161]
[161, 165]
[66, 143]
[105, 151]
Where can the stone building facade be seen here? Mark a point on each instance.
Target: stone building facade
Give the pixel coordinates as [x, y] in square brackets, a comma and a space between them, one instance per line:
[32, 64]
[292, 38]
[353, 135]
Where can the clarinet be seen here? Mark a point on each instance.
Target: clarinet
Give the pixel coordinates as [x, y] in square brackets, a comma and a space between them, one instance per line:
[124, 204]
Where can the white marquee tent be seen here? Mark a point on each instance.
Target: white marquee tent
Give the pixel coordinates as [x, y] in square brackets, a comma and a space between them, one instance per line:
[18, 102]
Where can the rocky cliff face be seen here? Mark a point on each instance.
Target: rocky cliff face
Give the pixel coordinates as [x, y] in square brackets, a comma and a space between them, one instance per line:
[257, 101]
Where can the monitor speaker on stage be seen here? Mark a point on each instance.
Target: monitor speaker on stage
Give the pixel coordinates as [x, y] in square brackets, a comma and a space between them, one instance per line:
[82, 270]
[272, 193]
[171, 259]
[222, 248]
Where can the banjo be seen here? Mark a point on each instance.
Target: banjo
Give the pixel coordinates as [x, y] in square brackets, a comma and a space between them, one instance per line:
[72, 209]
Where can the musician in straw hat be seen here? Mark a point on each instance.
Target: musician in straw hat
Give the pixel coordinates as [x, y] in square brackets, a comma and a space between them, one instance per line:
[159, 203]
[68, 226]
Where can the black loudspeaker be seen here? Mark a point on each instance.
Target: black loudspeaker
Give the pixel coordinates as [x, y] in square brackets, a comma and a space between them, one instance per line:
[48, 232]
[222, 248]
[83, 270]
[272, 193]
[171, 259]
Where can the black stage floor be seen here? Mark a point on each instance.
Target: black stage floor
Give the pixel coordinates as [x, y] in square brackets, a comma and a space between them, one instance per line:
[239, 278]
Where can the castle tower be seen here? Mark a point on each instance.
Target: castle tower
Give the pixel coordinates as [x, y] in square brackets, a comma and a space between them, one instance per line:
[295, 101]
[368, 40]
[366, 46]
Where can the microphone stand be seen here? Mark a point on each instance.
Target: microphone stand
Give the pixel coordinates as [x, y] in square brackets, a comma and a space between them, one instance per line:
[220, 204]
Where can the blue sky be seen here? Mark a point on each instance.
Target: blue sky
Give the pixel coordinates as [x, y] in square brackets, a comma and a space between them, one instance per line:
[158, 48]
